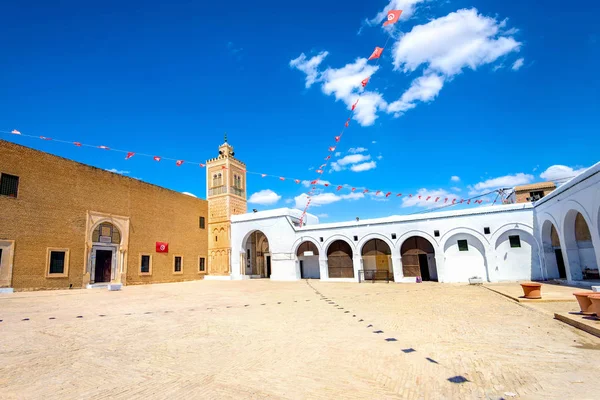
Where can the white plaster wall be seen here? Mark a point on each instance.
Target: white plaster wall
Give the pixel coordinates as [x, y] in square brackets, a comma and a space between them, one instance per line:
[512, 264]
[451, 266]
[311, 266]
[581, 194]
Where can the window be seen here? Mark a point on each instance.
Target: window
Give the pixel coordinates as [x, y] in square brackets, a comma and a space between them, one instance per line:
[202, 264]
[248, 252]
[178, 265]
[9, 185]
[321, 239]
[356, 238]
[538, 194]
[486, 230]
[463, 245]
[436, 233]
[57, 263]
[145, 264]
[515, 241]
[393, 236]
[0, 256]
[202, 223]
[216, 238]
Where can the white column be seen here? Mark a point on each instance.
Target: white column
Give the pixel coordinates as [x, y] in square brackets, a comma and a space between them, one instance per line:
[571, 258]
[397, 268]
[440, 265]
[596, 242]
[323, 268]
[357, 264]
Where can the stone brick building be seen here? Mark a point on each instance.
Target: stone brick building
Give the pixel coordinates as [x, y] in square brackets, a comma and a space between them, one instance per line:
[533, 192]
[64, 224]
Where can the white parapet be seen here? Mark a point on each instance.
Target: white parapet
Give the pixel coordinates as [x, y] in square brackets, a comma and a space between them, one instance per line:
[113, 287]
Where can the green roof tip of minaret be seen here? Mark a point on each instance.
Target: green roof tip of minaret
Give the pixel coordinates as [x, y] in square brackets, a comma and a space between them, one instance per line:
[225, 137]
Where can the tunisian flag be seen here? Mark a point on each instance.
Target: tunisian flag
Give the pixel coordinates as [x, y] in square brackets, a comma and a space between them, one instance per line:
[376, 53]
[156, 158]
[162, 247]
[129, 155]
[364, 82]
[179, 162]
[392, 17]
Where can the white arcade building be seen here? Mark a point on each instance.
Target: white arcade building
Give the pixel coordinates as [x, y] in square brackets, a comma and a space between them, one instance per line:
[555, 237]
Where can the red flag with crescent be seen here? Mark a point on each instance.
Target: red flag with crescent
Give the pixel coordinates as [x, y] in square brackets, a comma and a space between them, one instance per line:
[366, 191]
[364, 82]
[327, 158]
[428, 197]
[179, 162]
[77, 144]
[377, 192]
[337, 139]
[348, 122]
[332, 148]
[202, 165]
[399, 194]
[314, 182]
[339, 187]
[156, 158]
[388, 194]
[326, 184]
[222, 167]
[436, 199]
[353, 189]
[355, 104]
[376, 53]
[16, 132]
[319, 171]
[129, 155]
[392, 17]
[281, 178]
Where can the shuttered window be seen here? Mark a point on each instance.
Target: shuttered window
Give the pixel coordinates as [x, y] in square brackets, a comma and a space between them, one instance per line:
[9, 185]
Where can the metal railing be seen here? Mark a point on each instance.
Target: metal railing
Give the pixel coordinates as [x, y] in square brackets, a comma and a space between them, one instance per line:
[374, 275]
[217, 190]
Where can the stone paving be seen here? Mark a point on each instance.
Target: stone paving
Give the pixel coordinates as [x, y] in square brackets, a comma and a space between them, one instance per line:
[261, 339]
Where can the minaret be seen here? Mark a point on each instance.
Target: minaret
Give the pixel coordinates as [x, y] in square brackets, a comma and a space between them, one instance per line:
[226, 195]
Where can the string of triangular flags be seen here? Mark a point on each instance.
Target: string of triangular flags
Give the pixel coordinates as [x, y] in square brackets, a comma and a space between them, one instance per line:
[314, 183]
[392, 18]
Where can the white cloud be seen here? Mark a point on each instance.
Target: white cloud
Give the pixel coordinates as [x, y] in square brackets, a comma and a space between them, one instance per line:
[309, 67]
[428, 197]
[507, 181]
[352, 160]
[189, 194]
[556, 172]
[338, 153]
[424, 89]
[289, 201]
[374, 142]
[118, 171]
[407, 6]
[455, 178]
[497, 67]
[456, 189]
[321, 182]
[451, 43]
[518, 64]
[354, 150]
[379, 157]
[264, 197]
[446, 46]
[364, 166]
[325, 198]
[323, 215]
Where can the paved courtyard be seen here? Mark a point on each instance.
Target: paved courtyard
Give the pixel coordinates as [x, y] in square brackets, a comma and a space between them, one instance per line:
[262, 339]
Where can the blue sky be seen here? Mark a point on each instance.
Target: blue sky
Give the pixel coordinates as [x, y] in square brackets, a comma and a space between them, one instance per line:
[169, 78]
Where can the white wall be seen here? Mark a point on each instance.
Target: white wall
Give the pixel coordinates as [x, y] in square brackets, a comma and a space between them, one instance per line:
[451, 266]
[581, 194]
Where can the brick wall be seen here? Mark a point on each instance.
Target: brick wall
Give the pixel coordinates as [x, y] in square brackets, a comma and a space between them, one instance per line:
[54, 197]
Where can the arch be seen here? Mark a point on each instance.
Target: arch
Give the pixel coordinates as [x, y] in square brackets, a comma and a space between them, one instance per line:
[308, 265]
[106, 232]
[339, 259]
[372, 236]
[336, 237]
[258, 257]
[418, 258]
[376, 255]
[462, 230]
[419, 233]
[303, 239]
[551, 248]
[465, 256]
[580, 250]
[517, 253]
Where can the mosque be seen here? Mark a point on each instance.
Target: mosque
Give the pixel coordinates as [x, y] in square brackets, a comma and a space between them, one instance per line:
[64, 224]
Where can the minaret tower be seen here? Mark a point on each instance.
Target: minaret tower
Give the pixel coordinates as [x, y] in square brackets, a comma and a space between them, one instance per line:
[226, 195]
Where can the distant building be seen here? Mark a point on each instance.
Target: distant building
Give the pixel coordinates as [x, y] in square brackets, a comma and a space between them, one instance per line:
[533, 192]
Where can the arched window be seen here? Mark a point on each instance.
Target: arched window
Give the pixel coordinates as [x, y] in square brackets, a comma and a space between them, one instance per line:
[215, 180]
[106, 233]
[220, 180]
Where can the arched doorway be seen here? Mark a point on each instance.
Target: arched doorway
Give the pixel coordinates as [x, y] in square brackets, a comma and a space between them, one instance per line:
[553, 256]
[578, 241]
[465, 258]
[106, 239]
[258, 256]
[377, 257]
[418, 259]
[339, 260]
[308, 260]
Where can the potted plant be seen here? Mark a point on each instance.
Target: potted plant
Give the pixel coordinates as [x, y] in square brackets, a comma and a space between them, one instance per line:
[532, 290]
[595, 299]
[584, 302]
